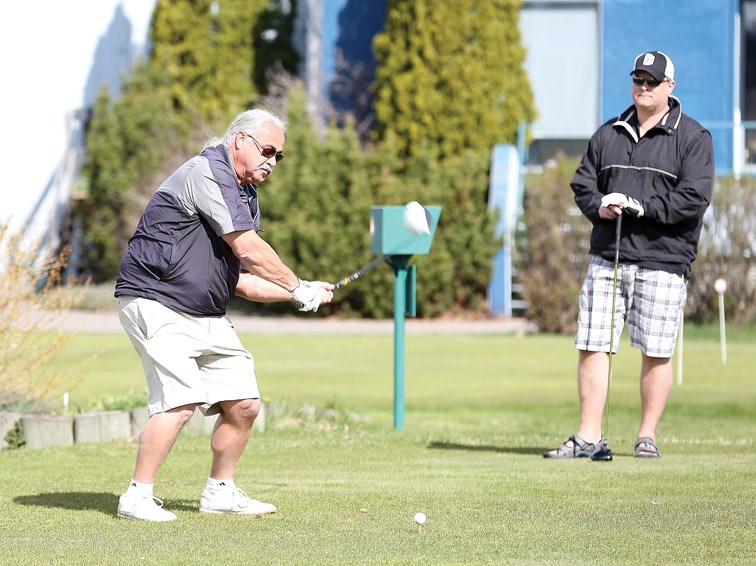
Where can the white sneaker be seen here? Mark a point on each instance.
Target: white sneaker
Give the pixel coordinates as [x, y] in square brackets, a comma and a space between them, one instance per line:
[146, 508]
[235, 503]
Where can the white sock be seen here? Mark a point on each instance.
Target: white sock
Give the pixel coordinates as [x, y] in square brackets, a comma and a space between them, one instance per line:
[141, 489]
[215, 486]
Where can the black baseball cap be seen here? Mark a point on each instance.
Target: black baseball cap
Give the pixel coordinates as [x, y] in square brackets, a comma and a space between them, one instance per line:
[656, 64]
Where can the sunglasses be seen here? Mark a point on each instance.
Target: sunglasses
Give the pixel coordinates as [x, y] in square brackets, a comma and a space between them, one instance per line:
[267, 151]
[652, 83]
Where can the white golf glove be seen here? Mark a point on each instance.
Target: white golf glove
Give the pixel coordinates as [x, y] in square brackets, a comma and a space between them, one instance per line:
[629, 205]
[634, 208]
[306, 297]
[614, 199]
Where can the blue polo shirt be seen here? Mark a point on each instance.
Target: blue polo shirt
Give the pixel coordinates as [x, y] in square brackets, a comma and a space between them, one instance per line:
[177, 255]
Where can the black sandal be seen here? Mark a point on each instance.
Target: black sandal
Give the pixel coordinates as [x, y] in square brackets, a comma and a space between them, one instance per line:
[646, 447]
[576, 447]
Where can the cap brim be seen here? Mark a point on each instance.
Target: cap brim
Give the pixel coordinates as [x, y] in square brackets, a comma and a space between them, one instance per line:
[658, 75]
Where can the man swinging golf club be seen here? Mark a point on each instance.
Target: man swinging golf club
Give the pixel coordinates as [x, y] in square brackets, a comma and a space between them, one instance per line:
[195, 246]
[654, 165]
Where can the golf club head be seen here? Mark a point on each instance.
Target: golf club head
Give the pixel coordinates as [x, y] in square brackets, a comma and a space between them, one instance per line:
[603, 455]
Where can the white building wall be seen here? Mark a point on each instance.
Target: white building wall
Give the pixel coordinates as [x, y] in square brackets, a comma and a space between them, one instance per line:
[562, 62]
[54, 56]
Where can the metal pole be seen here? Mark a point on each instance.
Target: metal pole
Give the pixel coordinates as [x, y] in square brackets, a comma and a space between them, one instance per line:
[400, 312]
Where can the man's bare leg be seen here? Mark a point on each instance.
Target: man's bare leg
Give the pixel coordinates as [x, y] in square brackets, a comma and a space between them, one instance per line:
[593, 384]
[231, 434]
[592, 388]
[655, 385]
[156, 440]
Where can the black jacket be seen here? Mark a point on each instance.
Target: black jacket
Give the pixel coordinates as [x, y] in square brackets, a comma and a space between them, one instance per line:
[670, 170]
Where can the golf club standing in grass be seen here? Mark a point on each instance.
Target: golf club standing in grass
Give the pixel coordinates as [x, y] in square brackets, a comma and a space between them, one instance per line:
[196, 244]
[655, 165]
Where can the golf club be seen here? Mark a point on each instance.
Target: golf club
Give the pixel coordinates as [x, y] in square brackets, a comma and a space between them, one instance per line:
[605, 454]
[361, 271]
[356, 275]
[415, 221]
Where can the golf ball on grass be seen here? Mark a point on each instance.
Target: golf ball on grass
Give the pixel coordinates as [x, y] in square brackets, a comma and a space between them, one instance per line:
[415, 219]
[420, 518]
[720, 285]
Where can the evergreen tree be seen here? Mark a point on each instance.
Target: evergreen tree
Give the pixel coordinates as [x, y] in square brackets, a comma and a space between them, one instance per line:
[198, 76]
[272, 42]
[205, 49]
[450, 75]
[128, 142]
[316, 206]
[316, 214]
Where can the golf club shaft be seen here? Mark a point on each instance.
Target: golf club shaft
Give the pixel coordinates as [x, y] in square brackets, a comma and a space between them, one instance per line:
[611, 325]
[360, 272]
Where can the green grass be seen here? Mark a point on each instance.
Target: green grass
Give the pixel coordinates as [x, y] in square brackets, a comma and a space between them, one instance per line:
[480, 409]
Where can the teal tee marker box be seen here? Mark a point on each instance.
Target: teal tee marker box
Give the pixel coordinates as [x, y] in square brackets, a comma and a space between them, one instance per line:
[390, 236]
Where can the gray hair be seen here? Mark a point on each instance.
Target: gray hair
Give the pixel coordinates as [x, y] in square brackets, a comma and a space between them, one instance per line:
[248, 121]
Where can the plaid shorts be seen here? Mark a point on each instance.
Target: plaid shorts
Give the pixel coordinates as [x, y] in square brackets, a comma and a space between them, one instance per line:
[650, 300]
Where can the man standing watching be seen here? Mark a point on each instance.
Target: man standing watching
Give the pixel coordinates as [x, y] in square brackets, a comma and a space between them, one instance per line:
[655, 165]
[196, 244]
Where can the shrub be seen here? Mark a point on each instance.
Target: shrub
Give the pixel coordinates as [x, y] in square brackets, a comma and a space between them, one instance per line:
[15, 437]
[727, 249]
[553, 251]
[33, 303]
[316, 214]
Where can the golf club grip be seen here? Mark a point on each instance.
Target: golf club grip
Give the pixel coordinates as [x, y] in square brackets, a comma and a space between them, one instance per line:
[347, 280]
[617, 239]
[360, 272]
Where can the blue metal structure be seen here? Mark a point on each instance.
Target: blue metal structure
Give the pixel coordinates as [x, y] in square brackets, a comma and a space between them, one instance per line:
[504, 197]
[579, 74]
[700, 37]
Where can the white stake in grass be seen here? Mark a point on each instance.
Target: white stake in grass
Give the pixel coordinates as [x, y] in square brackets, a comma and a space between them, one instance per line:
[720, 286]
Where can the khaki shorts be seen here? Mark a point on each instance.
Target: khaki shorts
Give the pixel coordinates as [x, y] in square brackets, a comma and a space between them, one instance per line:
[650, 300]
[186, 359]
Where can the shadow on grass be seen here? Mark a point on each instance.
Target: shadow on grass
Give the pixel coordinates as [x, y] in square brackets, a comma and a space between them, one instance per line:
[484, 448]
[106, 503]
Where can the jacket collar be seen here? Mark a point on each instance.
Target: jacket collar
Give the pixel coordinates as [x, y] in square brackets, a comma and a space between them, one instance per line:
[250, 189]
[668, 124]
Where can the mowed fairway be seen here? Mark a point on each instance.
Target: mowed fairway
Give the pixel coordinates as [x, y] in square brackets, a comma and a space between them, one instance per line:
[480, 410]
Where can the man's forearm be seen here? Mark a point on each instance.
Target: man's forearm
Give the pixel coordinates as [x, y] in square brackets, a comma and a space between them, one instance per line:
[254, 288]
[259, 258]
